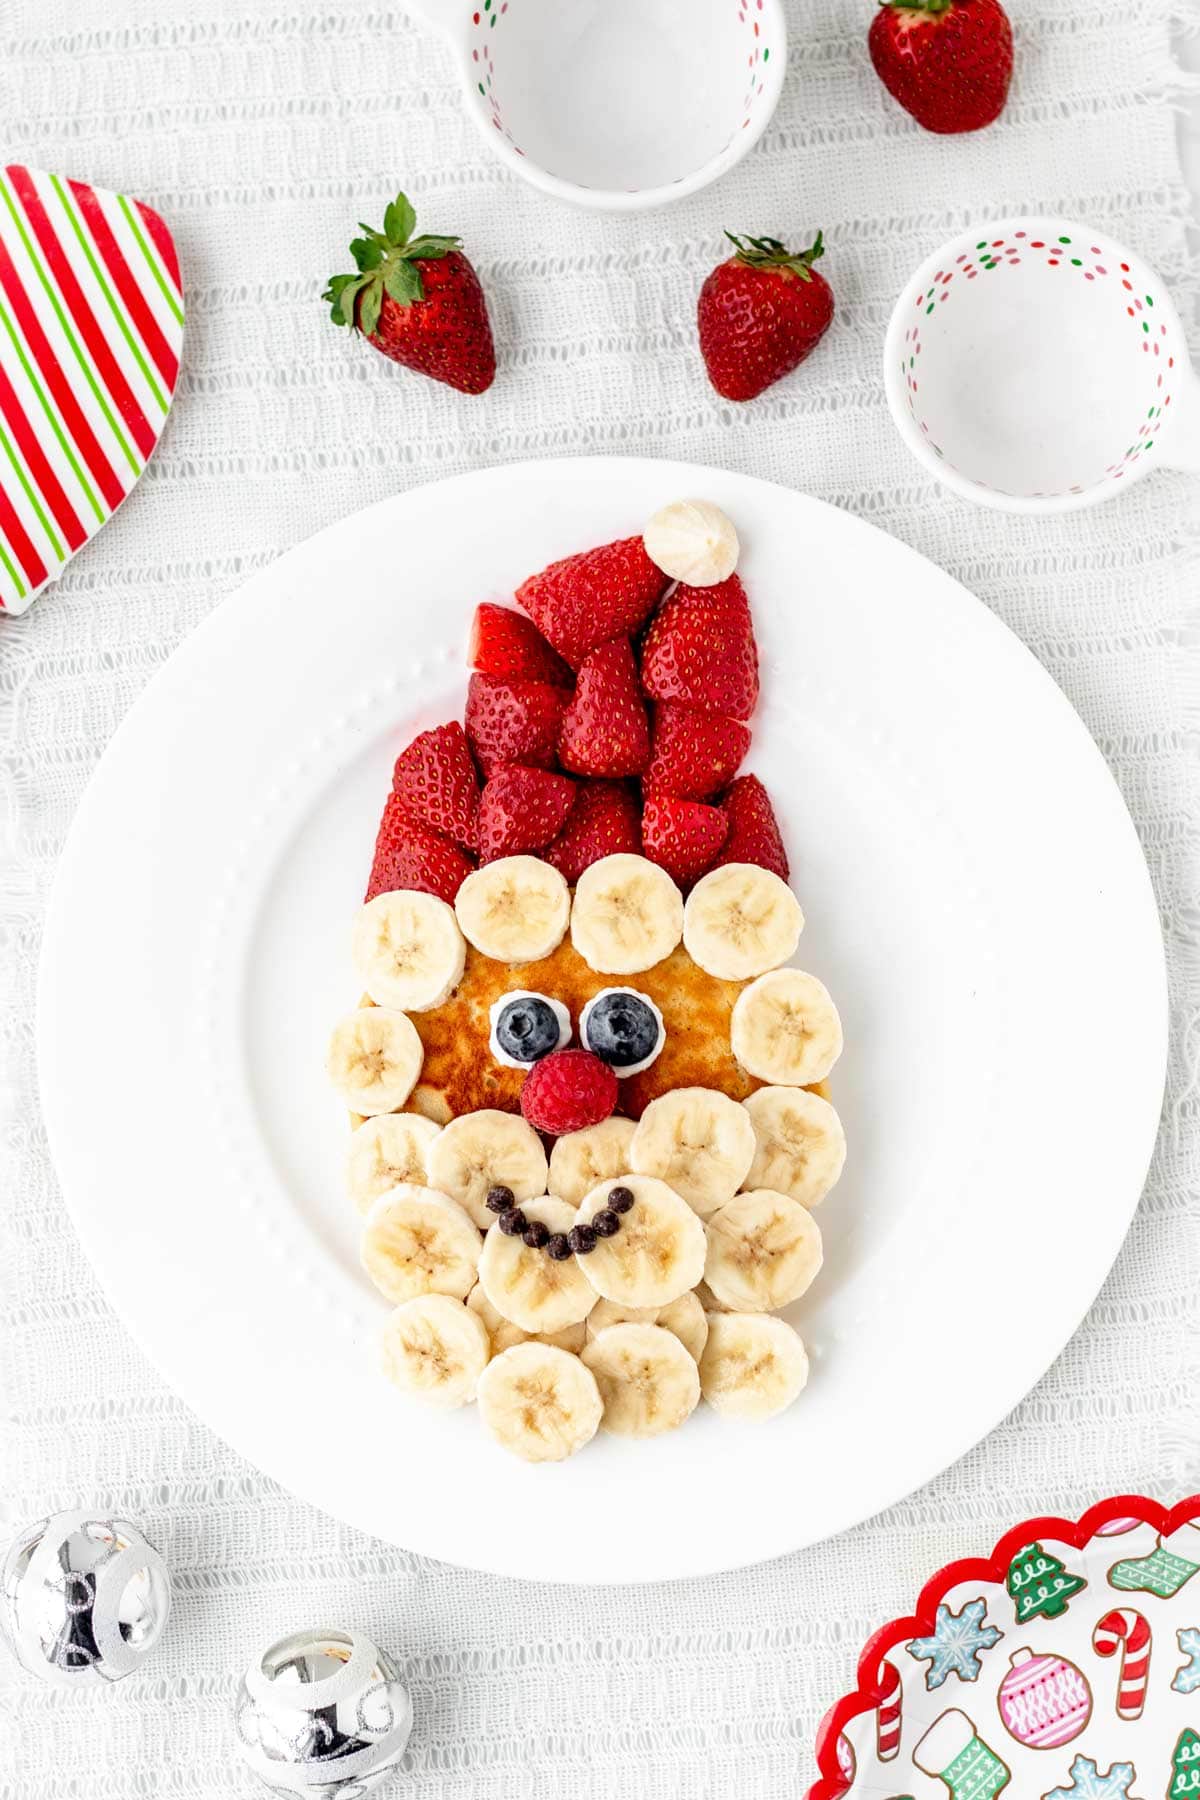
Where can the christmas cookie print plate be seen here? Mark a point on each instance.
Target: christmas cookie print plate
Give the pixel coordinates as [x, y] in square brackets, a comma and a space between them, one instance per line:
[1065, 1666]
[965, 866]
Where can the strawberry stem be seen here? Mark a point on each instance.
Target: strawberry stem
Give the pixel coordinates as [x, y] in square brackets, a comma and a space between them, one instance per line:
[769, 253]
[935, 8]
[385, 263]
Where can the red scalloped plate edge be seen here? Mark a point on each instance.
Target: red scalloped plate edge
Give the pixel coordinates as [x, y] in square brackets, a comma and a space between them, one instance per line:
[831, 1783]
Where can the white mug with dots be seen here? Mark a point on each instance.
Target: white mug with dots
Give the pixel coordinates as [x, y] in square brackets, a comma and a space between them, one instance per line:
[616, 104]
[1037, 366]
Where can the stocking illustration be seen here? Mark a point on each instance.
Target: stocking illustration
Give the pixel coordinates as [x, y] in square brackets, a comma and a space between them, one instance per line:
[952, 1751]
[1172, 1562]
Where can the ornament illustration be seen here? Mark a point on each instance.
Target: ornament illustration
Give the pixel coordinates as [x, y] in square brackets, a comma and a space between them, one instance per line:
[1187, 1679]
[953, 1751]
[888, 1714]
[1172, 1562]
[1040, 1584]
[1185, 1766]
[1087, 1783]
[1044, 1701]
[1128, 1631]
[955, 1644]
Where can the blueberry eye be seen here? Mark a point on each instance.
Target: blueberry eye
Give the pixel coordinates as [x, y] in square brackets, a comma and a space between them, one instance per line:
[526, 1027]
[623, 1028]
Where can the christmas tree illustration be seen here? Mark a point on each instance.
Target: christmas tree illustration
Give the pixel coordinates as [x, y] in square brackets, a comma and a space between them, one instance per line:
[1185, 1767]
[1039, 1584]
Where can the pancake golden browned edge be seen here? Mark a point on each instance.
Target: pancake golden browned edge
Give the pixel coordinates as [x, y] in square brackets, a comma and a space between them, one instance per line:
[460, 1074]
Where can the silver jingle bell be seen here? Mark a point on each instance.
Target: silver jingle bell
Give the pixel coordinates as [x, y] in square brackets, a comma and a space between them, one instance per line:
[322, 1713]
[83, 1599]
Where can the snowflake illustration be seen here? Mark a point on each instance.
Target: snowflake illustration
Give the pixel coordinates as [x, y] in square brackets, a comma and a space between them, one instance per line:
[956, 1642]
[1087, 1783]
[1187, 1680]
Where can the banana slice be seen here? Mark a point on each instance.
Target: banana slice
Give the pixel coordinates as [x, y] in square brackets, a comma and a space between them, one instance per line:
[627, 915]
[539, 1402]
[434, 1349]
[514, 909]
[417, 1241]
[408, 951]
[374, 1059]
[683, 1318]
[764, 1251]
[503, 1334]
[648, 1382]
[753, 1365]
[528, 1287]
[692, 541]
[658, 1253]
[697, 1140]
[386, 1151]
[581, 1159]
[800, 1147]
[784, 1028]
[740, 921]
[487, 1149]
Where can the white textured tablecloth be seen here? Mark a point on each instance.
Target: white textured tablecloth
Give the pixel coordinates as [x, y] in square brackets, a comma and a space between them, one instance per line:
[262, 129]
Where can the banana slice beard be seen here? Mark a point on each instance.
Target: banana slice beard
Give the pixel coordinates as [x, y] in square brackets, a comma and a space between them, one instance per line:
[487, 1149]
[385, 1152]
[528, 1287]
[515, 909]
[435, 1350]
[764, 1251]
[692, 541]
[658, 1253]
[539, 1402]
[408, 950]
[753, 1365]
[648, 1382]
[683, 1318]
[503, 1334]
[417, 1241]
[627, 915]
[581, 1159]
[740, 921]
[374, 1059]
[697, 1140]
[785, 1029]
[800, 1147]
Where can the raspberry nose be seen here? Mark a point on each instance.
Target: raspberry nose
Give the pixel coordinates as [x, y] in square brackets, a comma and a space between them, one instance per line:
[568, 1090]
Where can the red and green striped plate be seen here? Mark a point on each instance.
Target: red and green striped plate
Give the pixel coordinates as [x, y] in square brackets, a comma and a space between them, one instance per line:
[91, 329]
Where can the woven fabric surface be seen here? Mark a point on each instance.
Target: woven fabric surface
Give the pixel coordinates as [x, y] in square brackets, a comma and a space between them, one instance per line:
[262, 130]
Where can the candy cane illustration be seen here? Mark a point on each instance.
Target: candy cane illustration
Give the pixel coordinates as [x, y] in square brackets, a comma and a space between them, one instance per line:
[887, 1713]
[1124, 1628]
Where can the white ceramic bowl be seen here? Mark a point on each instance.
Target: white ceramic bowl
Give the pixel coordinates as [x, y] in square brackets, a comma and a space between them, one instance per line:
[1035, 365]
[616, 104]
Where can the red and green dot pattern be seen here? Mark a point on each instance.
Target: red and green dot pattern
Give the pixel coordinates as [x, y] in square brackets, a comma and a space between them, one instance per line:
[750, 15]
[1091, 263]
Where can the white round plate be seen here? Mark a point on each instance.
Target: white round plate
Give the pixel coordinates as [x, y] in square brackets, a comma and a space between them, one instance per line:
[977, 903]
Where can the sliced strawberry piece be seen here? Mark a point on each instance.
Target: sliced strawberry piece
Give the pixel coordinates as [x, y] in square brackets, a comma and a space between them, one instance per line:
[521, 809]
[435, 781]
[682, 836]
[604, 821]
[514, 721]
[700, 650]
[506, 644]
[605, 730]
[753, 828]
[584, 600]
[409, 855]
[695, 753]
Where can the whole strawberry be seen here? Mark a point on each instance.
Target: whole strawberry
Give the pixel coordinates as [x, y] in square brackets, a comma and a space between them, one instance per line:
[761, 313]
[419, 301]
[948, 62]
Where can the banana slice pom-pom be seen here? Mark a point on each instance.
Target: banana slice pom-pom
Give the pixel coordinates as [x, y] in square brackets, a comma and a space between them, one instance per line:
[692, 541]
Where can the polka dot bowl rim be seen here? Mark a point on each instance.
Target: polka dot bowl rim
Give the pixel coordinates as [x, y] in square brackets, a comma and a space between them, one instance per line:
[456, 24]
[1181, 445]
